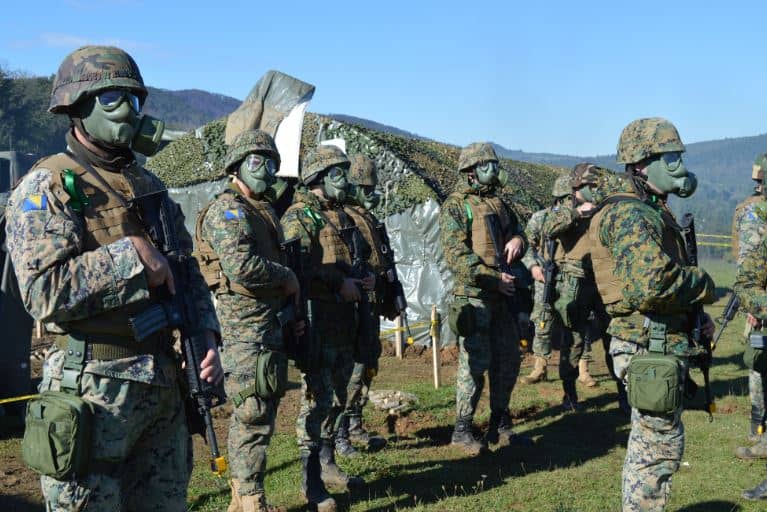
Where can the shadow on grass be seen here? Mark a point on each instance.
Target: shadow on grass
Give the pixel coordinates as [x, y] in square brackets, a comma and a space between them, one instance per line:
[712, 506]
[19, 504]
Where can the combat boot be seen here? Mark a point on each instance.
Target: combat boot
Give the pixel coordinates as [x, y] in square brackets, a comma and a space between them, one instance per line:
[343, 444]
[570, 399]
[757, 493]
[358, 434]
[499, 431]
[312, 487]
[584, 377]
[257, 503]
[757, 428]
[464, 438]
[539, 371]
[758, 451]
[236, 504]
[332, 475]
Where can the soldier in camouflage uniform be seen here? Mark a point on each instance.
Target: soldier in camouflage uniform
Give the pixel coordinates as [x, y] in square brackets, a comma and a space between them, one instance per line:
[238, 239]
[750, 286]
[315, 217]
[480, 311]
[85, 266]
[748, 232]
[362, 175]
[639, 262]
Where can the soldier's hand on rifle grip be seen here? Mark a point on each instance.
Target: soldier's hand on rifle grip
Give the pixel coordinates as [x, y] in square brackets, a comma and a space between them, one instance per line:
[537, 273]
[155, 265]
[210, 367]
[291, 286]
[513, 249]
[708, 328]
[752, 321]
[369, 282]
[350, 291]
[506, 284]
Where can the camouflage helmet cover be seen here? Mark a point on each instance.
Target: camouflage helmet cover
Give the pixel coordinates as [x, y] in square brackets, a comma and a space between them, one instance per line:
[363, 171]
[321, 158]
[584, 173]
[474, 154]
[562, 186]
[760, 165]
[90, 69]
[646, 137]
[250, 141]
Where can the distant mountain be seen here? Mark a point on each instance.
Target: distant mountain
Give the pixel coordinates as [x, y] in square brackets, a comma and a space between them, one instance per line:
[188, 108]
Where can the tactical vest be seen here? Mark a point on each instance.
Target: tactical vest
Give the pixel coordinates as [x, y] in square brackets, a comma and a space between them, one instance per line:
[609, 284]
[573, 247]
[367, 226]
[477, 210]
[265, 228]
[106, 220]
[736, 218]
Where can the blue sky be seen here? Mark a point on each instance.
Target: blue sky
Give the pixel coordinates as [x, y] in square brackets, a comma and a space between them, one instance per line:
[562, 77]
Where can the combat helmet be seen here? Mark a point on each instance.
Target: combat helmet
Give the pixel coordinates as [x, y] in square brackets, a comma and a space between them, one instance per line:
[321, 158]
[562, 187]
[247, 142]
[476, 153]
[363, 171]
[585, 173]
[760, 165]
[93, 68]
[646, 137]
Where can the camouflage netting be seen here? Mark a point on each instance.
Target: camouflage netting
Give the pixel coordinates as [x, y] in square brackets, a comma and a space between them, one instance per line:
[416, 170]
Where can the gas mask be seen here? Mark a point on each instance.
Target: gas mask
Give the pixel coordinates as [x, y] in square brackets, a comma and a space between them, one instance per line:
[258, 172]
[668, 174]
[113, 118]
[490, 174]
[365, 196]
[276, 190]
[584, 195]
[335, 184]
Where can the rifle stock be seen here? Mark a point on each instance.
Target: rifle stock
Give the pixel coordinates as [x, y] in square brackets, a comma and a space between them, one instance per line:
[301, 349]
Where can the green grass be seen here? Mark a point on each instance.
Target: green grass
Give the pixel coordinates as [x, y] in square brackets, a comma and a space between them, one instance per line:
[575, 465]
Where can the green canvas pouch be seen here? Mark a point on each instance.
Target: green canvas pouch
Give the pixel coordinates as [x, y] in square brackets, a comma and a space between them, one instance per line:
[57, 436]
[271, 374]
[654, 382]
[461, 318]
[755, 355]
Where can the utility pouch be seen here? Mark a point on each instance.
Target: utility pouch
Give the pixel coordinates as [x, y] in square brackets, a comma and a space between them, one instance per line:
[567, 302]
[755, 356]
[654, 382]
[271, 374]
[57, 436]
[461, 318]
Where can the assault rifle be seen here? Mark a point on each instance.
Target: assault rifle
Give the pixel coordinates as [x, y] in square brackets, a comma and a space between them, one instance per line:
[549, 276]
[301, 349]
[494, 228]
[179, 311]
[392, 280]
[365, 351]
[727, 316]
[704, 359]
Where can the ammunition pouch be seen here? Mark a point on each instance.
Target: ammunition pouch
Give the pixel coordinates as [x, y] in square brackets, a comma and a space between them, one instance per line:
[461, 317]
[569, 302]
[655, 382]
[271, 379]
[755, 355]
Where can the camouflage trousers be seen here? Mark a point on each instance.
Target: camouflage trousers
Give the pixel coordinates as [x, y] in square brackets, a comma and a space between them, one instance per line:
[324, 387]
[540, 318]
[139, 441]
[655, 446]
[756, 384]
[493, 348]
[360, 381]
[250, 429]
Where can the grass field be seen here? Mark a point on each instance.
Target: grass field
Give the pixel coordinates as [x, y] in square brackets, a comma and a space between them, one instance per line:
[574, 466]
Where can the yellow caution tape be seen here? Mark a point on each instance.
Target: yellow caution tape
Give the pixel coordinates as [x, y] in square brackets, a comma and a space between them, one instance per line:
[386, 332]
[714, 244]
[17, 399]
[728, 237]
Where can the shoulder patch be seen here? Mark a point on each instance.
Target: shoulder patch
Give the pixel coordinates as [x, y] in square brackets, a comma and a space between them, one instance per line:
[35, 202]
[233, 214]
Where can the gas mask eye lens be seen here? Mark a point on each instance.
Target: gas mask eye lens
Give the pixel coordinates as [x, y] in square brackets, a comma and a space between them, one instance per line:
[672, 160]
[110, 99]
[335, 172]
[253, 162]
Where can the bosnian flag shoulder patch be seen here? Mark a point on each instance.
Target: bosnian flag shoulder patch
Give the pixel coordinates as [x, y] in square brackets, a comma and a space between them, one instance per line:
[233, 214]
[34, 202]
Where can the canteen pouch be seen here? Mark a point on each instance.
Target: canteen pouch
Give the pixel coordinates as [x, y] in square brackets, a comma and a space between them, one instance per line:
[57, 436]
[271, 374]
[654, 382]
[461, 318]
[755, 356]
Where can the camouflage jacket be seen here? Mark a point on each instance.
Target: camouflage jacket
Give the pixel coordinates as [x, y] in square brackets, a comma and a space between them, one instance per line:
[470, 273]
[549, 222]
[228, 226]
[60, 282]
[751, 277]
[653, 283]
[304, 219]
[748, 225]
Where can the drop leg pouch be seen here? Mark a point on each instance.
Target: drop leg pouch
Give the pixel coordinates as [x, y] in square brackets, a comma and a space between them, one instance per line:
[655, 382]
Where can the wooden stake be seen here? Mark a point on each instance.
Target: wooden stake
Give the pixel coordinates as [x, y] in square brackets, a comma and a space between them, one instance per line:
[39, 329]
[435, 353]
[398, 337]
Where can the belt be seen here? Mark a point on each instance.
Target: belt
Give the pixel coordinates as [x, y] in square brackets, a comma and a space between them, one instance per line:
[107, 347]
